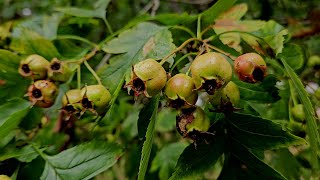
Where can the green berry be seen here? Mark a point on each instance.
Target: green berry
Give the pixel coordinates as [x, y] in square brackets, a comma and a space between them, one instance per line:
[59, 71]
[298, 113]
[95, 97]
[180, 91]
[43, 93]
[34, 66]
[210, 71]
[147, 77]
[227, 96]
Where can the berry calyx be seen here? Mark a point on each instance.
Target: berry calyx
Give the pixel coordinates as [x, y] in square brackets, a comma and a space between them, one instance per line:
[250, 67]
[210, 71]
[95, 97]
[43, 93]
[191, 122]
[59, 71]
[148, 77]
[180, 91]
[34, 66]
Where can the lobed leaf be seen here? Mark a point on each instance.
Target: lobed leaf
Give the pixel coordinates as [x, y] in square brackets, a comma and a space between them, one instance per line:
[293, 55]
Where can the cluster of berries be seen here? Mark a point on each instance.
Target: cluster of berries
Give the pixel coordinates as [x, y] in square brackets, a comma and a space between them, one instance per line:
[47, 76]
[210, 72]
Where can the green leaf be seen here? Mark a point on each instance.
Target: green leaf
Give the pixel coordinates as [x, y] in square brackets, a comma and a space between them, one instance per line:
[99, 10]
[145, 115]
[24, 154]
[195, 161]
[312, 127]
[147, 145]
[81, 162]
[166, 120]
[11, 114]
[166, 159]
[213, 12]
[12, 84]
[260, 134]
[243, 164]
[273, 34]
[28, 42]
[285, 162]
[174, 19]
[293, 55]
[264, 92]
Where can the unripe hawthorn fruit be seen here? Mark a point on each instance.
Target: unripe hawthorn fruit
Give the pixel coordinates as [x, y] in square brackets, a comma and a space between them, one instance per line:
[34, 66]
[250, 67]
[314, 62]
[71, 101]
[4, 177]
[210, 71]
[95, 97]
[180, 91]
[147, 77]
[43, 93]
[59, 71]
[298, 113]
[191, 122]
[228, 96]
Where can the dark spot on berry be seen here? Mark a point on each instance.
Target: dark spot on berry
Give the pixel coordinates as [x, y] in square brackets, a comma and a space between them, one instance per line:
[86, 103]
[316, 67]
[69, 108]
[258, 74]
[36, 93]
[55, 66]
[178, 103]
[210, 86]
[25, 68]
[138, 85]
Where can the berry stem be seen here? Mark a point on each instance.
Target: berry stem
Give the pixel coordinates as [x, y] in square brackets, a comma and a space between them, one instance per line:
[199, 27]
[185, 29]
[178, 49]
[79, 39]
[220, 51]
[106, 22]
[79, 77]
[92, 72]
[182, 58]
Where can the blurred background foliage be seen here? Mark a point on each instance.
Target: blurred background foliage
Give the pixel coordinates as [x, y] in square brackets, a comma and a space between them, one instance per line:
[299, 16]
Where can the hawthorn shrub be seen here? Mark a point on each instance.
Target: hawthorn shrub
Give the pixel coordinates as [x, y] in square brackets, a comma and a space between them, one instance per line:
[206, 95]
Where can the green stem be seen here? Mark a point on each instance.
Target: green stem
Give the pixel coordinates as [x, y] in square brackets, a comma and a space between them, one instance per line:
[199, 27]
[292, 93]
[39, 151]
[79, 39]
[178, 49]
[185, 29]
[79, 77]
[92, 72]
[108, 25]
[182, 58]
